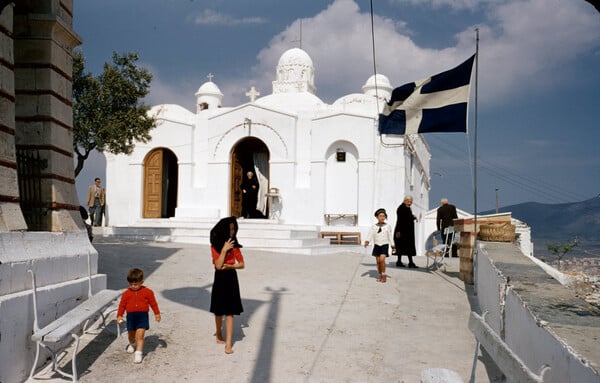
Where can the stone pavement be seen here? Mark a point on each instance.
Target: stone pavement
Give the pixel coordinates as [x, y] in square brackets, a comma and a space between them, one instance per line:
[306, 319]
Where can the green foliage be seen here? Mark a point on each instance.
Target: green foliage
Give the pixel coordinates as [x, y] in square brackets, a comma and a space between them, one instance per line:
[560, 249]
[108, 112]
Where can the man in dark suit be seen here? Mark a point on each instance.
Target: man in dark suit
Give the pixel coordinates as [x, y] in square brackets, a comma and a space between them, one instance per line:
[446, 214]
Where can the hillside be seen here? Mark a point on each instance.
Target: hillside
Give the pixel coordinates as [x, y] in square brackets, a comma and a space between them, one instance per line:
[561, 223]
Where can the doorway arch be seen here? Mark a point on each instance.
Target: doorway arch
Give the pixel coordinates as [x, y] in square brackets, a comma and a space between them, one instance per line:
[160, 184]
[249, 154]
[341, 178]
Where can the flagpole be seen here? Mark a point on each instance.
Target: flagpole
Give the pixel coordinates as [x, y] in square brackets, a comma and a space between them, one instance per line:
[475, 156]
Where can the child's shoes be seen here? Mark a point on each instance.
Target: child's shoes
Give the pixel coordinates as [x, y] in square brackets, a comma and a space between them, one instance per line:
[130, 348]
[137, 357]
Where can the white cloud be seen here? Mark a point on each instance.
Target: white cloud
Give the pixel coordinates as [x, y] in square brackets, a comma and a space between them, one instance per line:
[523, 45]
[339, 41]
[210, 17]
[534, 42]
[520, 42]
[454, 4]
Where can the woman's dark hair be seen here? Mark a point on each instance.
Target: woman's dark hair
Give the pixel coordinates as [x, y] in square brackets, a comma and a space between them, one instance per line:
[219, 234]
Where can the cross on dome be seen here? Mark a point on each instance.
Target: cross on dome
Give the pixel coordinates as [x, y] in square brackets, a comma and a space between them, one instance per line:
[210, 77]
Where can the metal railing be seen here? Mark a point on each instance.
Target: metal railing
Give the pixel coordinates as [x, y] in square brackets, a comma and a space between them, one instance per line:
[29, 171]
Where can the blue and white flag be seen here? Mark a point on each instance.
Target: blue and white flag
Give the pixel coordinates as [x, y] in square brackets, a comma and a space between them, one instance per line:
[437, 104]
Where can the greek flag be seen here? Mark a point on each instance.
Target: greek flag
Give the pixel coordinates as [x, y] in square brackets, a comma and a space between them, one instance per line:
[437, 104]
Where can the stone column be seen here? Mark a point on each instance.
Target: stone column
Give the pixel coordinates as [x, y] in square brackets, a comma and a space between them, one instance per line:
[11, 217]
[43, 67]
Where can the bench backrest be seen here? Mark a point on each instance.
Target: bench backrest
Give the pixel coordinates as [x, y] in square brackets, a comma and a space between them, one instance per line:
[76, 317]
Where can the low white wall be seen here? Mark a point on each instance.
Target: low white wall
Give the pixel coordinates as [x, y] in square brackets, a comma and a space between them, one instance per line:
[530, 338]
[60, 262]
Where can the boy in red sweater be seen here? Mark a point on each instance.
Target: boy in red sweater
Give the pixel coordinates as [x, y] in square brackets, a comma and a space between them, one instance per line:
[137, 300]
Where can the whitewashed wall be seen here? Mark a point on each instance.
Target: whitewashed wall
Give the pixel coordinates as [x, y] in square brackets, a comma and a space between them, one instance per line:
[60, 262]
[533, 342]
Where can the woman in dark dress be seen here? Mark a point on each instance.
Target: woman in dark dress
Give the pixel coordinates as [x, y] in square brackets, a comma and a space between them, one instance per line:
[225, 299]
[404, 233]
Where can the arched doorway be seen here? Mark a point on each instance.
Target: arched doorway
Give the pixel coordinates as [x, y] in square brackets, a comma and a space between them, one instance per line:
[341, 179]
[160, 184]
[249, 154]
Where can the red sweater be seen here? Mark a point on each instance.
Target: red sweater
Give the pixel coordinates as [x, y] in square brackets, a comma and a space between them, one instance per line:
[231, 257]
[136, 301]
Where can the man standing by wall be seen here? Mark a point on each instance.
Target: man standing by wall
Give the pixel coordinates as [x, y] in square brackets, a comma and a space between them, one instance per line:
[95, 201]
[446, 214]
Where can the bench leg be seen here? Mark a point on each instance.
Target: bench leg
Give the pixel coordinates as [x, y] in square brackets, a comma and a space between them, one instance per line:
[56, 369]
[74, 360]
[35, 361]
[52, 352]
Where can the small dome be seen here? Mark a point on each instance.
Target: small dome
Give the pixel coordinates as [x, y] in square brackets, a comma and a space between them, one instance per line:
[295, 56]
[209, 88]
[382, 85]
[208, 96]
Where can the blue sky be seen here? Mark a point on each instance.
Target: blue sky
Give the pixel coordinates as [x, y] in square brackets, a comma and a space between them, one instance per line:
[538, 103]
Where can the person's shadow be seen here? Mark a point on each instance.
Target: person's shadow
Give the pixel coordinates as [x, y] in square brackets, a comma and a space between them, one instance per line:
[198, 297]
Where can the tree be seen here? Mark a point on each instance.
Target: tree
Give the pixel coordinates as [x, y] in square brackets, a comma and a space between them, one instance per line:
[560, 249]
[108, 112]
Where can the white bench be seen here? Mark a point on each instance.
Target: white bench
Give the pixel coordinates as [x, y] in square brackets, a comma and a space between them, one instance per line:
[74, 322]
[342, 237]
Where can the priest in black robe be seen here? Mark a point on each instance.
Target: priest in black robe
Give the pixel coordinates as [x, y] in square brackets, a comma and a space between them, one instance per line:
[249, 189]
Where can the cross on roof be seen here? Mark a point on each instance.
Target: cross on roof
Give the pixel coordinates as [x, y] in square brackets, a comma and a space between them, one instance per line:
[252, 93]
[210, 77]
[299, 39]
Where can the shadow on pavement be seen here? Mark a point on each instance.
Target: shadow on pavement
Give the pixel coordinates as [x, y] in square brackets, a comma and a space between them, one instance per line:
[115, 260]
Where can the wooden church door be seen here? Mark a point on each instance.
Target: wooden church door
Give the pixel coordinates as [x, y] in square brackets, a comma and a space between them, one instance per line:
[153, 173]
[236, 180]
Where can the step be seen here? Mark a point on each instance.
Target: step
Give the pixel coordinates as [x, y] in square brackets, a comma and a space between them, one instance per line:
[263, 235]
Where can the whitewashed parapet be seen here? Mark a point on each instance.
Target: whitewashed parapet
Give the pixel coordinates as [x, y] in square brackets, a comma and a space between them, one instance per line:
[541, 321]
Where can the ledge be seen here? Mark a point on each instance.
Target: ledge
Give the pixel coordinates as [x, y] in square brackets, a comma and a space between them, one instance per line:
[543, 301]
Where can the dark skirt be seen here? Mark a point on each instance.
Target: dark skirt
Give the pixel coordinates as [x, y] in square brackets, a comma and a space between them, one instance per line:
[381, 250]
[225, 298]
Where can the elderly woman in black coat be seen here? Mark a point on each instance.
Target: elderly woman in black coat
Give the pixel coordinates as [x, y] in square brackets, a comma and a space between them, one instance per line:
[404, 233]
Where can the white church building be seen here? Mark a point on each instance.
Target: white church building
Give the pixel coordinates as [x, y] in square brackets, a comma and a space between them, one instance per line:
[318, 164]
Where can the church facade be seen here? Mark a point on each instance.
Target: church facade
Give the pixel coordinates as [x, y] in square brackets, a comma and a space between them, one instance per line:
[316, 163]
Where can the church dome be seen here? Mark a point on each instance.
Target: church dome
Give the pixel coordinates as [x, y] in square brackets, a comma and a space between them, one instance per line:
[208, 96]
[209, 88]
[378, 84]
[295, 73]
[376, 90]
[295, 56]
